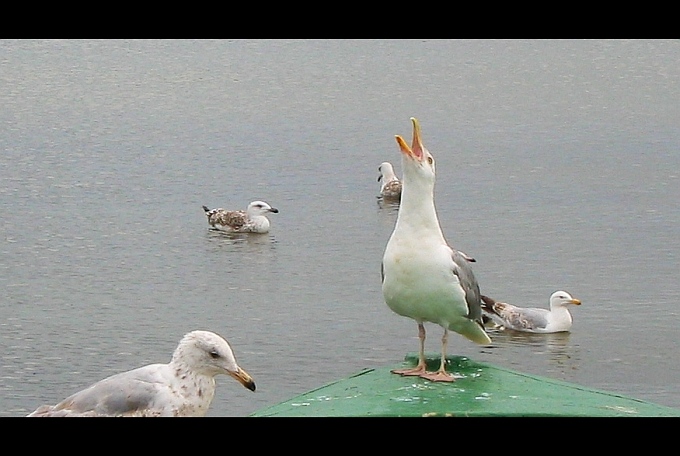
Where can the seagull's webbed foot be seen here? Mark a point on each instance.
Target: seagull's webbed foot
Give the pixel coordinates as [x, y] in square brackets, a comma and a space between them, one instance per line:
[439, 376]
[421, 367]
[419, 370]
[406, 372]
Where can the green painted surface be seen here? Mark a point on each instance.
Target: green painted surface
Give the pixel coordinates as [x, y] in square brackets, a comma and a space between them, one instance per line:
[485, 390]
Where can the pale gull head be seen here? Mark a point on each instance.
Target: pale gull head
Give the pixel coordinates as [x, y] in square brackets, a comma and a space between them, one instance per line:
[259, 208]
[563, 299]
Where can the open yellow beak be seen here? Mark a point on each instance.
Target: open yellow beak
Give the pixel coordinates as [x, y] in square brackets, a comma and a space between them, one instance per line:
[416, 149]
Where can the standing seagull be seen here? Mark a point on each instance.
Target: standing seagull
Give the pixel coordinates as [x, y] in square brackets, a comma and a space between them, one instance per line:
[423, 278]
[532, 319]
[252, 220]
[391, 185]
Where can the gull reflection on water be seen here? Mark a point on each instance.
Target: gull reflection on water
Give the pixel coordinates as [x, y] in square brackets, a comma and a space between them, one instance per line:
[388, 205]
[543, 354]
[222, 239]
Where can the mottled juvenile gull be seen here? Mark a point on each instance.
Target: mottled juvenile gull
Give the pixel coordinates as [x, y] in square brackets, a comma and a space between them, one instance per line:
[252, 220]
[390, 187]
[183, 387]
[532, 319]
[423, 277]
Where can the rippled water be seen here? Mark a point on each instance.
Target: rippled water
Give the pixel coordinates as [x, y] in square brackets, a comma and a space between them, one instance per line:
[557, 168]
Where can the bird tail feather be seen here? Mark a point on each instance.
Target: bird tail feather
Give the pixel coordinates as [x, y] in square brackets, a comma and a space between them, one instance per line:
[488, 304]
[480, 336]
[474, 331]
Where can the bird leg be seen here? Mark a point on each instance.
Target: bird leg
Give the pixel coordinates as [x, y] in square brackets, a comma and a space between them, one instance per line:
[420, 368]
[441, 375]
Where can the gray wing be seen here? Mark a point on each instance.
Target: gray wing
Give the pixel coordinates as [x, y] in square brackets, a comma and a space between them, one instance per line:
[132, 392]
[527, 319]
[462, 269]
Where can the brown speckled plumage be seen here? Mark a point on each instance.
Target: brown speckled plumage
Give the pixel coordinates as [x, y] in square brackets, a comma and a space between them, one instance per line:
[391, 185]
[252, 220]
[233, 219]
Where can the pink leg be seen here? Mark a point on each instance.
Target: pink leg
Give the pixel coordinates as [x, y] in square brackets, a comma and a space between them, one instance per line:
[441, 375]
[420, 368]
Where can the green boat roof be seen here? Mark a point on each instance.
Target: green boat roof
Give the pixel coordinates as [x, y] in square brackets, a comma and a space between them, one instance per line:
[485, 390]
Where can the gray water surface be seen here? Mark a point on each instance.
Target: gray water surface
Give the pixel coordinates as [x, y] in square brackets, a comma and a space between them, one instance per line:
[558, 167]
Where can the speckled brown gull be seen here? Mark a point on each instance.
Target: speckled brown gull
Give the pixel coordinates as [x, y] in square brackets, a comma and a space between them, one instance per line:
[390, 187]
[252, 220]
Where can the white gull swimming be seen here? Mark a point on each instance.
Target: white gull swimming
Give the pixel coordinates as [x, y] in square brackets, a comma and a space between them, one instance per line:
[183, 387]
[533, 319]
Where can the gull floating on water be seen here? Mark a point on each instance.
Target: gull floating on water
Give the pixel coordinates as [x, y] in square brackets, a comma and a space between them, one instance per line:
[391, 185]
[423, 277]
[252, 220]
[183, 387]
[532, 319]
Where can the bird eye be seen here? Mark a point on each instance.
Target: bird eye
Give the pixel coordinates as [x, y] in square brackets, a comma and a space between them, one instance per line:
[430, 160]
[214, 354]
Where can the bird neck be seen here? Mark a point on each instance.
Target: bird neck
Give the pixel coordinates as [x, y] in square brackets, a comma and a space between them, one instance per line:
[561, 312]
[417, 211]
[202, 381]
[259, 223]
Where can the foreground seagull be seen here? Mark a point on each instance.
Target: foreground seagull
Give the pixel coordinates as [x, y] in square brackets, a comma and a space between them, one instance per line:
[183, 387]
[391, 185]
[423, 277]
[252, 220]
[531, 319]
